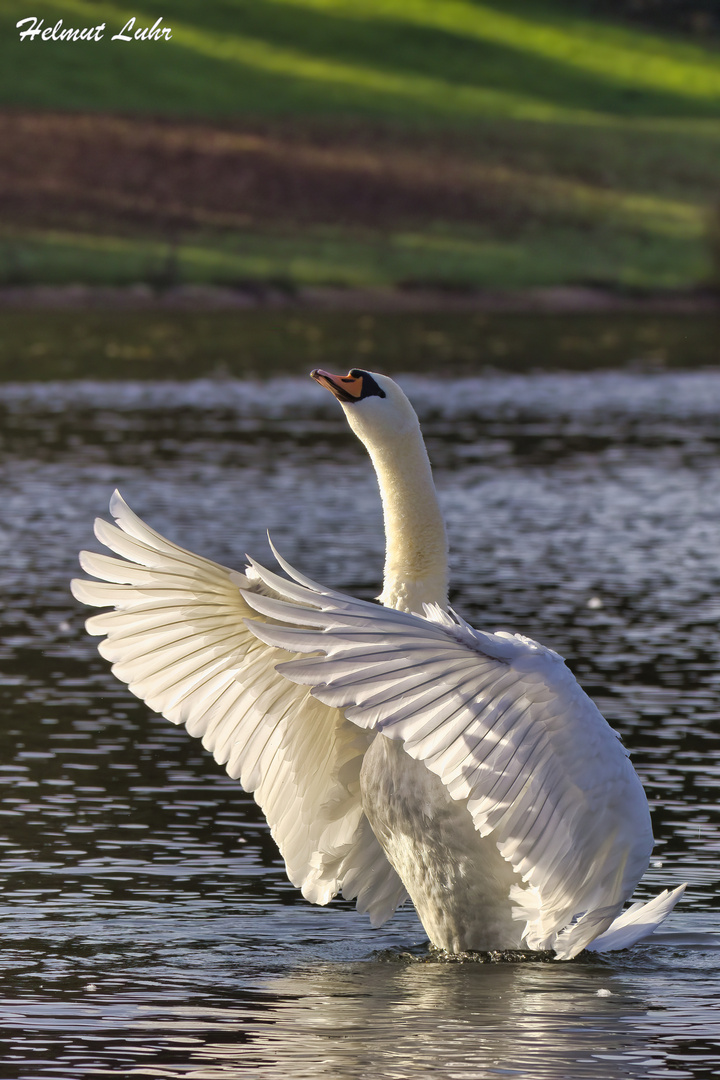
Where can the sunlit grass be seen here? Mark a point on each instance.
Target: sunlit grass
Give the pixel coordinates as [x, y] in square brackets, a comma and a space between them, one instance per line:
[359, 86]
[419, 59]
[627, 56]
[549, 256]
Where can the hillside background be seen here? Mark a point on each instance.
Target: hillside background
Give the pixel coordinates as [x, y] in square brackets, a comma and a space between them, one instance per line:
[355, 143]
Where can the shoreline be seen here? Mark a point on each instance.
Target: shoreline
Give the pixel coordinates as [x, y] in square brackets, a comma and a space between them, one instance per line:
[555, 300]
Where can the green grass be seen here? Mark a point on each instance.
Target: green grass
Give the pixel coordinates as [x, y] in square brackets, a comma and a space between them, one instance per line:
[609, 135]
[419, 60]
[545, 257]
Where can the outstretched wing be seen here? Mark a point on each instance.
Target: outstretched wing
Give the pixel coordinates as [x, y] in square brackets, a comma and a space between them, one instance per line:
[179, 639]
[503, 723]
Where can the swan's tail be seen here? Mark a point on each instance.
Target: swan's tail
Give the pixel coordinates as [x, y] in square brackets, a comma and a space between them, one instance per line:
[638, 922]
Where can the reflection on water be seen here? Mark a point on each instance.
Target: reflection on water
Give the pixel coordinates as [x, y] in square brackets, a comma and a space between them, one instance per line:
[209, 1013]
[148, 928]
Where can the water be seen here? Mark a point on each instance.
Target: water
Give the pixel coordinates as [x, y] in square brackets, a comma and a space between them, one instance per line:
[147, 925]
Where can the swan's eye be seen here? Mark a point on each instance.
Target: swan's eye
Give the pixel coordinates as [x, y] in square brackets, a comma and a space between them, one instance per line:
[369, 387]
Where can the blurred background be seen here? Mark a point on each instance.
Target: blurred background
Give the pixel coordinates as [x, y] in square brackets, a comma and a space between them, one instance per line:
[364, 154]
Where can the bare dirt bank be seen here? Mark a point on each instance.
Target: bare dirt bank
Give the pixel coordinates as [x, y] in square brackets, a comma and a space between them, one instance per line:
[555, 300]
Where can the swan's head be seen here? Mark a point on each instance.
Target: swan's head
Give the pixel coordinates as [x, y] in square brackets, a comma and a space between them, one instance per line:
[375, 406]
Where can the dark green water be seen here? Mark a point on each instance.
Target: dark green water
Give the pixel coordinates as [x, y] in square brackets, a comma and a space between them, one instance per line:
[164, 343]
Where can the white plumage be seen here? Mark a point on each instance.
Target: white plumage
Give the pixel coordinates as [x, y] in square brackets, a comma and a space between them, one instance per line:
[407, 753]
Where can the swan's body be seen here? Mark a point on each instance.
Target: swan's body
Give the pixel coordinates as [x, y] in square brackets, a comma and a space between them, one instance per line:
[457, 880]
[408, 754]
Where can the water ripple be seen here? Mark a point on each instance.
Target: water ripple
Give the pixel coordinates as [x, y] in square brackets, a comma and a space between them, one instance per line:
[148, 926]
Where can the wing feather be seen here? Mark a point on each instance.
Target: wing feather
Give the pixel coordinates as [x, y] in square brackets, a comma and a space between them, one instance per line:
[177, 636]
[505, 726]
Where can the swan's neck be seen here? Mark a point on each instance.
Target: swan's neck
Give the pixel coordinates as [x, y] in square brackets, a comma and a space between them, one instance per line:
[416, 543]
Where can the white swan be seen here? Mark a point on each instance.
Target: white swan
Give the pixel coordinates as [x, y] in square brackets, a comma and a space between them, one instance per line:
[408, 753]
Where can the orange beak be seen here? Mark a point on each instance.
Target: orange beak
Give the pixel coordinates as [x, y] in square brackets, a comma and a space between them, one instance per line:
[344, 387]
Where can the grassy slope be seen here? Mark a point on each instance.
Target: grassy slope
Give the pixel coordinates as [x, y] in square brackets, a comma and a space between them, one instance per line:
[610, 135]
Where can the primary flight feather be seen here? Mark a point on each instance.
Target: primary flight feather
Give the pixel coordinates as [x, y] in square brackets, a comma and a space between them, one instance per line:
[394, 749]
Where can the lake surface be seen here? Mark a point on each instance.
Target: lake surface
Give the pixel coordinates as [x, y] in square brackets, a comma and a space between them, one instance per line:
[148, 928]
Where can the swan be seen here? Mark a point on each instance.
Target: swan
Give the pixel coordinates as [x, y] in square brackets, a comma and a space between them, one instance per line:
[395, 751]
